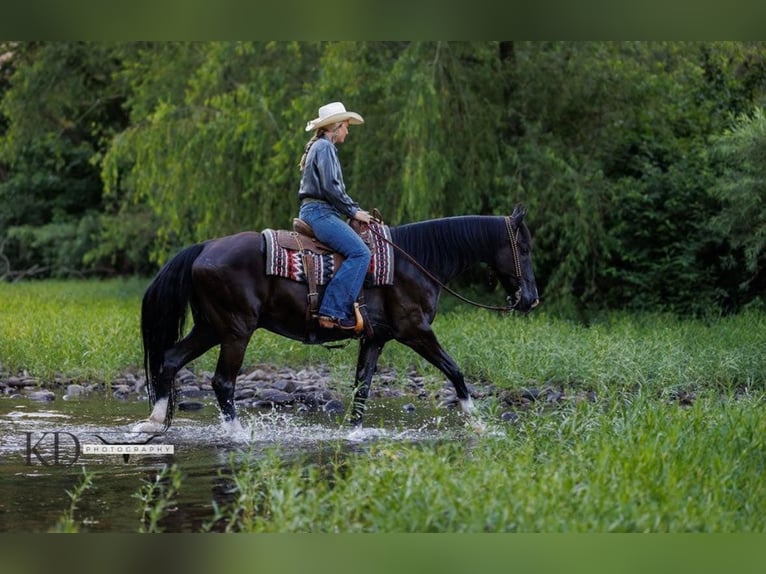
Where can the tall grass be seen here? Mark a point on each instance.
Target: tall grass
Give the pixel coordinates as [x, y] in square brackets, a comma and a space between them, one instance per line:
[67, 523]
[613, 466]
[83, 329]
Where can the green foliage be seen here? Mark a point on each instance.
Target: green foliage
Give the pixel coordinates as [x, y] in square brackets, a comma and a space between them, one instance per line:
[61, 112]
[742, 188]
[53, 249]
[156, 496]
[67, 523]
[633, 460]
[623, 465]
[624, 152]
[211, 159]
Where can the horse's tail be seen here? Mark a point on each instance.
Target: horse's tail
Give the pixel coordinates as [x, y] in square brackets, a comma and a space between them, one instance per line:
[163, 316]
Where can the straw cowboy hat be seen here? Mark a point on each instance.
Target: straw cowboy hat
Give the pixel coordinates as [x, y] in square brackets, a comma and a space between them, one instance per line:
[332, 113]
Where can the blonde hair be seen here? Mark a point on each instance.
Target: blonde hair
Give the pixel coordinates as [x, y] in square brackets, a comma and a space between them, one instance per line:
[317, 134]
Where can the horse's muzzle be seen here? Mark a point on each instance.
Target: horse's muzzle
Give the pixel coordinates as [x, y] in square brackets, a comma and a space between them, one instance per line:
[514, 302]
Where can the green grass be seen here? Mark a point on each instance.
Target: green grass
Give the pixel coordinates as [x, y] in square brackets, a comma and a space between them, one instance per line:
[83, 329]
[633, 460]
[612, 466]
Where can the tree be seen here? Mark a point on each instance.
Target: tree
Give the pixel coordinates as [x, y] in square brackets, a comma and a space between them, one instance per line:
[60, 109]
[741, 151]
[113, 156]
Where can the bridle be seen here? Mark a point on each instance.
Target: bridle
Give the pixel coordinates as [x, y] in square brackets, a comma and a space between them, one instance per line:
[513, 240]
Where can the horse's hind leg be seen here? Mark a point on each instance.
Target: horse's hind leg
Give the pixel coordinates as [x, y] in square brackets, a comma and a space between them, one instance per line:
[229, 362]
[199, 340]
[369, 352]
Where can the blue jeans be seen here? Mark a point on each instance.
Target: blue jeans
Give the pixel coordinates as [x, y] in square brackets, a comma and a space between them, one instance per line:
[332, 230]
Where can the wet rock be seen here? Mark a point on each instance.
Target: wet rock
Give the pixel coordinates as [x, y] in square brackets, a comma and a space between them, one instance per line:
[121, 392]
[308, 401]
[190, 405]
[311, 388]
[334, 407]
[450, 402]
[190, 391]
[284, 385]
[41, 396]
[186, 377]
[684, 398]
[530, 394]
[242, 394]
[74, 391]
[554, 397]
[509, 417]
[256, 375]
[274, 396]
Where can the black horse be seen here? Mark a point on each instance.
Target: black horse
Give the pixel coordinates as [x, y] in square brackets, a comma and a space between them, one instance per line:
[224, 282]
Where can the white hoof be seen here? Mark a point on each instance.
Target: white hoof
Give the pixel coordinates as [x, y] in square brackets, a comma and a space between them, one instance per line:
[234, 428]
[148, 426]
[357, 434]
[156, 420]
[467, 406]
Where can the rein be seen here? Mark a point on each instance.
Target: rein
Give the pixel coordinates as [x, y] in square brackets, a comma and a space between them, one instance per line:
[512, 239]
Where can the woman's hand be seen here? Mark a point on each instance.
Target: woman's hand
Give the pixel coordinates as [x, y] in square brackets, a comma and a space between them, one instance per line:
[363, 216]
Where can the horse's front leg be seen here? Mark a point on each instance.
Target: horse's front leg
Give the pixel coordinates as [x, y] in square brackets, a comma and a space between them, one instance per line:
[427, 346]
[229, 362]
[367, 361]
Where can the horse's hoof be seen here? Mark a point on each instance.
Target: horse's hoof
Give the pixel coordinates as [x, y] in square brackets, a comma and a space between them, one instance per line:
[233, 427]
[356, 433]
[148, 426]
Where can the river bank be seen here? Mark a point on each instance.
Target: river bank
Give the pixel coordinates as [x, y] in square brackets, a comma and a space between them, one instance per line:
[268, 386]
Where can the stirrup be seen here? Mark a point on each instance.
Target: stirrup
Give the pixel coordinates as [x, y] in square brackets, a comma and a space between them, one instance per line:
[346, 325]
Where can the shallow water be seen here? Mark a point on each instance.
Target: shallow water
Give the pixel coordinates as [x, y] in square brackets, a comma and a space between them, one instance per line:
[42, 455]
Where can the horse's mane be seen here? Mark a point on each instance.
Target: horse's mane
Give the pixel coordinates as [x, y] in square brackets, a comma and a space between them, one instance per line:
[450, 245]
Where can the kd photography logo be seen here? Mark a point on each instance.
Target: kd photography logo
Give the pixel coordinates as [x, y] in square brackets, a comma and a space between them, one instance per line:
[63, 448]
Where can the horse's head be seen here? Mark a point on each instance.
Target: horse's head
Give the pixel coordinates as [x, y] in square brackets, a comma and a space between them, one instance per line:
[514, 264]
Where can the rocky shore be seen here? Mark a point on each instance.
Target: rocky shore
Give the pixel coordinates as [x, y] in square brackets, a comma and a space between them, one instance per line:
[268, 386]
[263, 386]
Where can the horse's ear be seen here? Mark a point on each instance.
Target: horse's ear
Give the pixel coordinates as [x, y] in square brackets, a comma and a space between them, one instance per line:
[518, 215]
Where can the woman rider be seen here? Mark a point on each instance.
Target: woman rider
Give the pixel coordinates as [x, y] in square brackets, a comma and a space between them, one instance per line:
[325, 205]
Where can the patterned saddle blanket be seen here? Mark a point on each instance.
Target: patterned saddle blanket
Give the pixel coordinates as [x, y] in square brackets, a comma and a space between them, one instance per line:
[285, 251]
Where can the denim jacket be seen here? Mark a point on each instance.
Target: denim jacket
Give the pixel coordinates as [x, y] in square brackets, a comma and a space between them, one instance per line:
[322, 178]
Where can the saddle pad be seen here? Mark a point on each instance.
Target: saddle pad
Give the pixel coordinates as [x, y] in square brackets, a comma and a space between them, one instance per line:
[288, 262]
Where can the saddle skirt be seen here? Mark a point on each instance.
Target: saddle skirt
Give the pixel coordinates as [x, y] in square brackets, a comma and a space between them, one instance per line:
[286, 253]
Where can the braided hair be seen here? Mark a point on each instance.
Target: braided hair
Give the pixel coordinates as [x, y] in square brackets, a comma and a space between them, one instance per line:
[317, 134]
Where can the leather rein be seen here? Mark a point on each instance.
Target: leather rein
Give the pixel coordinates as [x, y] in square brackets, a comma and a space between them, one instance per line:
[512, 239]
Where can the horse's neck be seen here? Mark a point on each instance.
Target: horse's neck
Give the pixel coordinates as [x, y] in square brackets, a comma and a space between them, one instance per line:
[447, 247]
